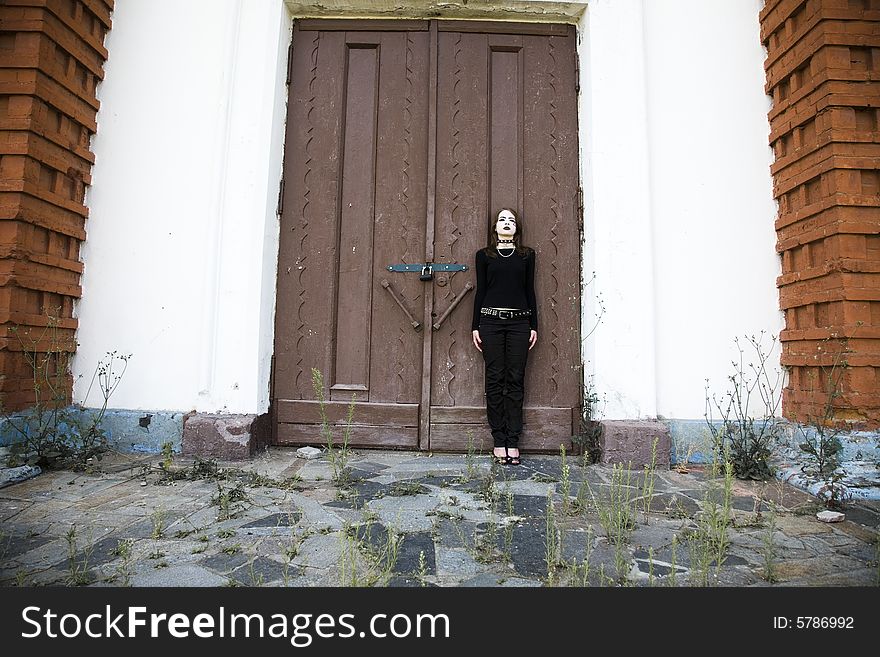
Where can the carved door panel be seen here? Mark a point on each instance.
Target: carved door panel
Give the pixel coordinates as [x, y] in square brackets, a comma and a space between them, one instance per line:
[507, 137]
[401, 137]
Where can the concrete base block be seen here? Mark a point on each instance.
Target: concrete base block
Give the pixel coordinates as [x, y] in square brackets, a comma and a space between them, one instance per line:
[222, 437]
[629, 441]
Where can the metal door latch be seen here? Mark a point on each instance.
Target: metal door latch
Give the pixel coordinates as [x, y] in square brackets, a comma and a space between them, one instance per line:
[426, 271]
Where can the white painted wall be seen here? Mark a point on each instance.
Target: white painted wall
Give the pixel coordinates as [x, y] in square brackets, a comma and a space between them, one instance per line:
[182, 238]
[679, 217]
[712, 207]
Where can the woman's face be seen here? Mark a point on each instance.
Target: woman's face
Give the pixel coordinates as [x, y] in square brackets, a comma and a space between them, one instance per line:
[505, 227]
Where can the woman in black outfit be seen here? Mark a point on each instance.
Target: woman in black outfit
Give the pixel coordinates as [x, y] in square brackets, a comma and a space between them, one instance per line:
[504, 328]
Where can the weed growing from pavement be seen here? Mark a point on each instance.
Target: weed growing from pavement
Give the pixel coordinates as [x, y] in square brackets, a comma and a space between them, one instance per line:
[749, 438]
[770, 548]
[617, 513]
[77, 562]
[581, 505]
[257, 579]
[167, 456]
[53, 432]
[509, 521]
[486, 544]
[648, 480]
[5, 541]
[821, 442]
[552, 541]
[158, 520]
[469, 459]
[338, 455]
[877, 559]
[709, 541]
[422, 572]
[565, 488]
[124, 552]
[673, 569]
[230, 500]
[380, 556]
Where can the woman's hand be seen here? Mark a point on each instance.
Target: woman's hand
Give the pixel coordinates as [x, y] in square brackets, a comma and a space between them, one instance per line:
[477, 341]
[533, 338]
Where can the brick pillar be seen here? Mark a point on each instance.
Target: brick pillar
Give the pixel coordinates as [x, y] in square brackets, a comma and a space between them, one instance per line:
[823, 72]
[51, 59]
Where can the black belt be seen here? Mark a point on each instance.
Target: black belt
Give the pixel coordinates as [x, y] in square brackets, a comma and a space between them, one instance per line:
[505, 314]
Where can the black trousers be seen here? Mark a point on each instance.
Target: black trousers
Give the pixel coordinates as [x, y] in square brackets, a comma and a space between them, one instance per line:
[505, 345]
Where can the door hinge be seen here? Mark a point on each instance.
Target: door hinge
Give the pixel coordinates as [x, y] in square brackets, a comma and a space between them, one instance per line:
[577, 73]
[580, 208]
[280, 206]
[290, 62]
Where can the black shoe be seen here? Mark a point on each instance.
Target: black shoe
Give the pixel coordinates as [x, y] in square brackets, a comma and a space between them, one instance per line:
[500, 460]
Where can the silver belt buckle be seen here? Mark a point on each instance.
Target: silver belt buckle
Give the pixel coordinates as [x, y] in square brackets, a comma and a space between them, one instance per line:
[501, 314]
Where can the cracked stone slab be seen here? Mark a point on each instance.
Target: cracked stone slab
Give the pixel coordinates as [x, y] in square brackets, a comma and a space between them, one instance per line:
[456, 563]
[182, 575]
[406, 514]
[314, 514]
[360, 493]
[407, 581]
[144, 528]
[275, 520]
[527, 505]
[674, 504]
[528, 549]
[482, 580]
[453, 533]
[13, 545]
[261, 571]
[320, 551]
[440, 481]
[658, 533]
[749, 503]
[318, 470]
[96, 554]
[223, 562]
[11, 507]
[520, 582]
[415, 543]
[527, 487]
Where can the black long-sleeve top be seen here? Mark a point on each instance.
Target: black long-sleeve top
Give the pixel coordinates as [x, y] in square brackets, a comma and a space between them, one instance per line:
[505, 283]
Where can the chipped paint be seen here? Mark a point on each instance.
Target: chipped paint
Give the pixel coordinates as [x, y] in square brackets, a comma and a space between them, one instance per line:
[534, 11]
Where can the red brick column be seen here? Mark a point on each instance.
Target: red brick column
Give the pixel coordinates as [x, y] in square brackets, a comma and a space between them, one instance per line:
[51, 59]
[823, 72]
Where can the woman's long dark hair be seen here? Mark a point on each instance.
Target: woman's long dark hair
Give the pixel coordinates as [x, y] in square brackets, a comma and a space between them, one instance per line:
[492, 243]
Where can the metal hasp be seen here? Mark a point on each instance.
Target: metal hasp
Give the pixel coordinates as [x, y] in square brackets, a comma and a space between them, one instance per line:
[425, 270]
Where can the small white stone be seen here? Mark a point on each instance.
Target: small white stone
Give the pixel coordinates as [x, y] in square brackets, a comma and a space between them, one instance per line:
[308, 453]
[143, 483]
[830, 516]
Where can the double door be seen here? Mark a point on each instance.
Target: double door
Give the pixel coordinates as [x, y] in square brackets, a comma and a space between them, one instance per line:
[403, 138]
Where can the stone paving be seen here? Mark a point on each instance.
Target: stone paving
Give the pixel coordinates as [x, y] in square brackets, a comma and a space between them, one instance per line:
[417, 519]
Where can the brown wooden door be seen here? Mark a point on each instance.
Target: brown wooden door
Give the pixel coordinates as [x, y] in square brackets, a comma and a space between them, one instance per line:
[401, 140]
